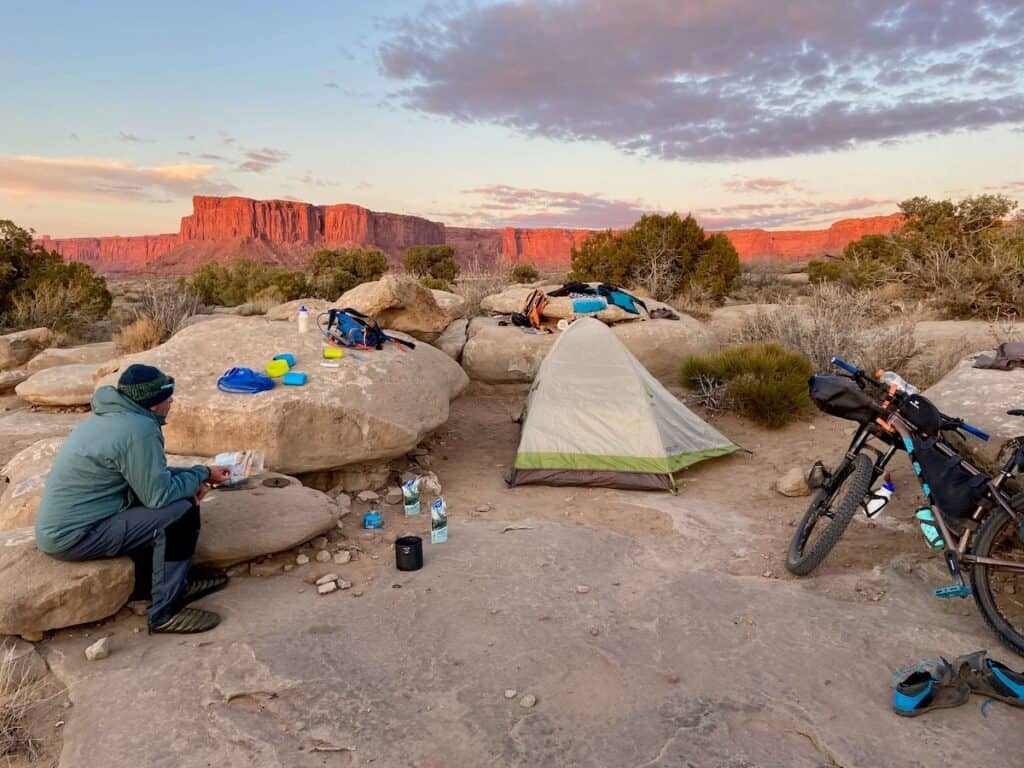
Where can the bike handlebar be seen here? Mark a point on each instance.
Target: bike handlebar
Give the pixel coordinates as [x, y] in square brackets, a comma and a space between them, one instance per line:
[857, 373]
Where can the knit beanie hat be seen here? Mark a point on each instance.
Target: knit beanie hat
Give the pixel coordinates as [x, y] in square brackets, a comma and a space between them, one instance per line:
[145, 385]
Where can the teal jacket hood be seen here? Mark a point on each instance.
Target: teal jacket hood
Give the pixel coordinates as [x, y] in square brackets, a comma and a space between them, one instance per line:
[112, 461]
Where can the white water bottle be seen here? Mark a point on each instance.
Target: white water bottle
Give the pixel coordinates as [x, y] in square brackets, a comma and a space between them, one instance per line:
[879, 499]
[303, 319]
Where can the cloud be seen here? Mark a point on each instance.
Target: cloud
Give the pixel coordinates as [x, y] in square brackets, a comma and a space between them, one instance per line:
[793, 214]
[74, 137]
[102, 179]
[131, 138]
[686, 79]
[331, 84]
[260, 160]
[500, 205]
[227, 138]
[310, 179]
[210, 156]
[191, 138]
[762, 184]
[363, 185]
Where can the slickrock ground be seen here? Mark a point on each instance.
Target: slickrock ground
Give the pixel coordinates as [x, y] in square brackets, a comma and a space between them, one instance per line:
[689, 646]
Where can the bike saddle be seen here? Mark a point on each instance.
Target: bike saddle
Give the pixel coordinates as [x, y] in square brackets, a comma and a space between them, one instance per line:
[1016, 412]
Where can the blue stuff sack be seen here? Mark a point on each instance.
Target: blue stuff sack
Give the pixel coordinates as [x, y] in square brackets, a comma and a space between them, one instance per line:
[584, 304]
[244, 381]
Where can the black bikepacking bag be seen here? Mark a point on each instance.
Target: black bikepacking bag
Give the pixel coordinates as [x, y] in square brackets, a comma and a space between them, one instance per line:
[919, 411]
[839, 396]
[955, 490]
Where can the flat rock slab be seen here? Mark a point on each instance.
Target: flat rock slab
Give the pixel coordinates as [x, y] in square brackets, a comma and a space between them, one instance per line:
[507, 355]
[739, 671]
[18, 348]
[60, 385]
[376, 404]
[12, 378]
[40, 593]
[21, 429]
[982, 398]
[97, 353]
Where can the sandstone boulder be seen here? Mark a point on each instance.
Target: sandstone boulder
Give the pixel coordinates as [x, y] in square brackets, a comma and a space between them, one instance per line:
[21, 662]
[16, 349]
[21, 429]
[506, 355]
[255, 520]
[401, 303]
[87, 353]
[12, 378]
[25, 475]
[41, 593]
[451, 304]
[63, 385]
[453, 339]
[377, 405]
[982, 398]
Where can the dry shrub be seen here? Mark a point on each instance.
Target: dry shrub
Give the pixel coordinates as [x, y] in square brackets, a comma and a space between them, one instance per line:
[932, 364]
[835, 322]
[262, 302]
[168, 306]
[764, 382]
[145, 333]
[19, 695]
[50, 304]
[476, 286]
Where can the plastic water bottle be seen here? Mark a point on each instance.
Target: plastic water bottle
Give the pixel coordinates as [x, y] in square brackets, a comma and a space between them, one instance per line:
[891, 377]
[879, 499]
[303, 319]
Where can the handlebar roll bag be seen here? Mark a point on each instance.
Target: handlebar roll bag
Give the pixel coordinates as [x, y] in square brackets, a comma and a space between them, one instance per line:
[841, 397]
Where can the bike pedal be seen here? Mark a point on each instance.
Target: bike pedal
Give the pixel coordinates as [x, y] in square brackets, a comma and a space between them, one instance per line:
[953, 590]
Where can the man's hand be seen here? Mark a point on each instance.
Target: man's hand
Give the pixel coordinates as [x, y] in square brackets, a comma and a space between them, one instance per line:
[219, 475]
[201, 494]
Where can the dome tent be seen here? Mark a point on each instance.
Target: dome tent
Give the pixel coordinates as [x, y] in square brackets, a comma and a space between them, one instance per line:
[596, 417]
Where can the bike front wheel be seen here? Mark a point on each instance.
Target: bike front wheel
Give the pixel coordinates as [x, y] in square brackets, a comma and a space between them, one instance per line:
[999, 590]
[830, 512]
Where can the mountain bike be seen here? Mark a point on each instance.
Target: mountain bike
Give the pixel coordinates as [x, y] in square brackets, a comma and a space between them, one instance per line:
[969, 514]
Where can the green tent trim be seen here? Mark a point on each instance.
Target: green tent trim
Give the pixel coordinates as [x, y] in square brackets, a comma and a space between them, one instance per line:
[601, 462]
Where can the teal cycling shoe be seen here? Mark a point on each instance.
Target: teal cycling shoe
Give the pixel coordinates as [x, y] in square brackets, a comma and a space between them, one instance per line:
[932, 684]
[991, 678]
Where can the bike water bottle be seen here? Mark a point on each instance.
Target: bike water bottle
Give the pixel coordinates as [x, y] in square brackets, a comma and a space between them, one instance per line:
[926, 519]
[879, 499]
[303, 319]
[890, 377]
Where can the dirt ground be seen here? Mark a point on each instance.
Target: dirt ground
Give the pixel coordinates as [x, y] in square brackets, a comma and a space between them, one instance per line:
[653, 630]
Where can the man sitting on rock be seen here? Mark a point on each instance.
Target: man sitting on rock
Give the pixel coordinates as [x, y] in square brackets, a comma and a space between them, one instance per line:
[111, 493]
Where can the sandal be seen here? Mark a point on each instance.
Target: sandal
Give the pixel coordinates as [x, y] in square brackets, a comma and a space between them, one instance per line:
[187, 621]
[991, 678]
[199, 588]
[932, 684]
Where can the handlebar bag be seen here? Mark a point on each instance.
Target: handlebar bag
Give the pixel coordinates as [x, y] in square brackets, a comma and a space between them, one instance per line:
[956, 491]
[922, 414]
[840, 396]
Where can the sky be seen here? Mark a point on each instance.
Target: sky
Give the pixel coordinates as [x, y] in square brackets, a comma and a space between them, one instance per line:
[787, 114]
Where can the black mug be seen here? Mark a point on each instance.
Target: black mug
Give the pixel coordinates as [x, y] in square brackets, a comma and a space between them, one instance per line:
[409, 553]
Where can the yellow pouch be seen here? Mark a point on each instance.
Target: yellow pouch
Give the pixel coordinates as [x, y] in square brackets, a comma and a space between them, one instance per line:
[277, 368]
[332, 353]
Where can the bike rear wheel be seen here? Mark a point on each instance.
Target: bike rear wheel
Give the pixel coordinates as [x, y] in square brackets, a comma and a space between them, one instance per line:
[828, 515]
[999, 592]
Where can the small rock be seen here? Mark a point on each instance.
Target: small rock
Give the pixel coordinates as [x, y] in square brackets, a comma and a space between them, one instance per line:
[368, 496]
[326, 579]
[484, 508]
[510, 693]
[767, 574]
[288, 567]
[342, 584]
[419, 452]
[323, 556]
[344, 502]
[369, 537]
[430, 484]
[528, 701]
[98, 650]
[594, 631]
[32, 637]
[326, 589]
[138, 607]
[793, 483]
[343, 557]
[302, 560]
[264, 569]
[582, 589]
[393, 496]
[320, 542]
[237, 570]
[357, 593]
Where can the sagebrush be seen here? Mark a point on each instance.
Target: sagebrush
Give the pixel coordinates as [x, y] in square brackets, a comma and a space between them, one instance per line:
[19, 695]
[139, 336]
[765, 382]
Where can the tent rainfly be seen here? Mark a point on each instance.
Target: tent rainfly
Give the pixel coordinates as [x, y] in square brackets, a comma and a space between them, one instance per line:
[596, 417]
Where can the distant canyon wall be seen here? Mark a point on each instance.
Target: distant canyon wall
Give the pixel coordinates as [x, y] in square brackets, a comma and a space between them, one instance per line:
[284, 232]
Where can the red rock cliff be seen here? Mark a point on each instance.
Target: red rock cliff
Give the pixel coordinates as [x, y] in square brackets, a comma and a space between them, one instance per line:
[285, 232]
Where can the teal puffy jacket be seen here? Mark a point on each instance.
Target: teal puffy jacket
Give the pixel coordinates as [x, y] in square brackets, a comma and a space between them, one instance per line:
[113, 460]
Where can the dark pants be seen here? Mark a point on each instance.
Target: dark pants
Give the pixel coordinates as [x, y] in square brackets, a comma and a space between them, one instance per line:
[166, 538]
